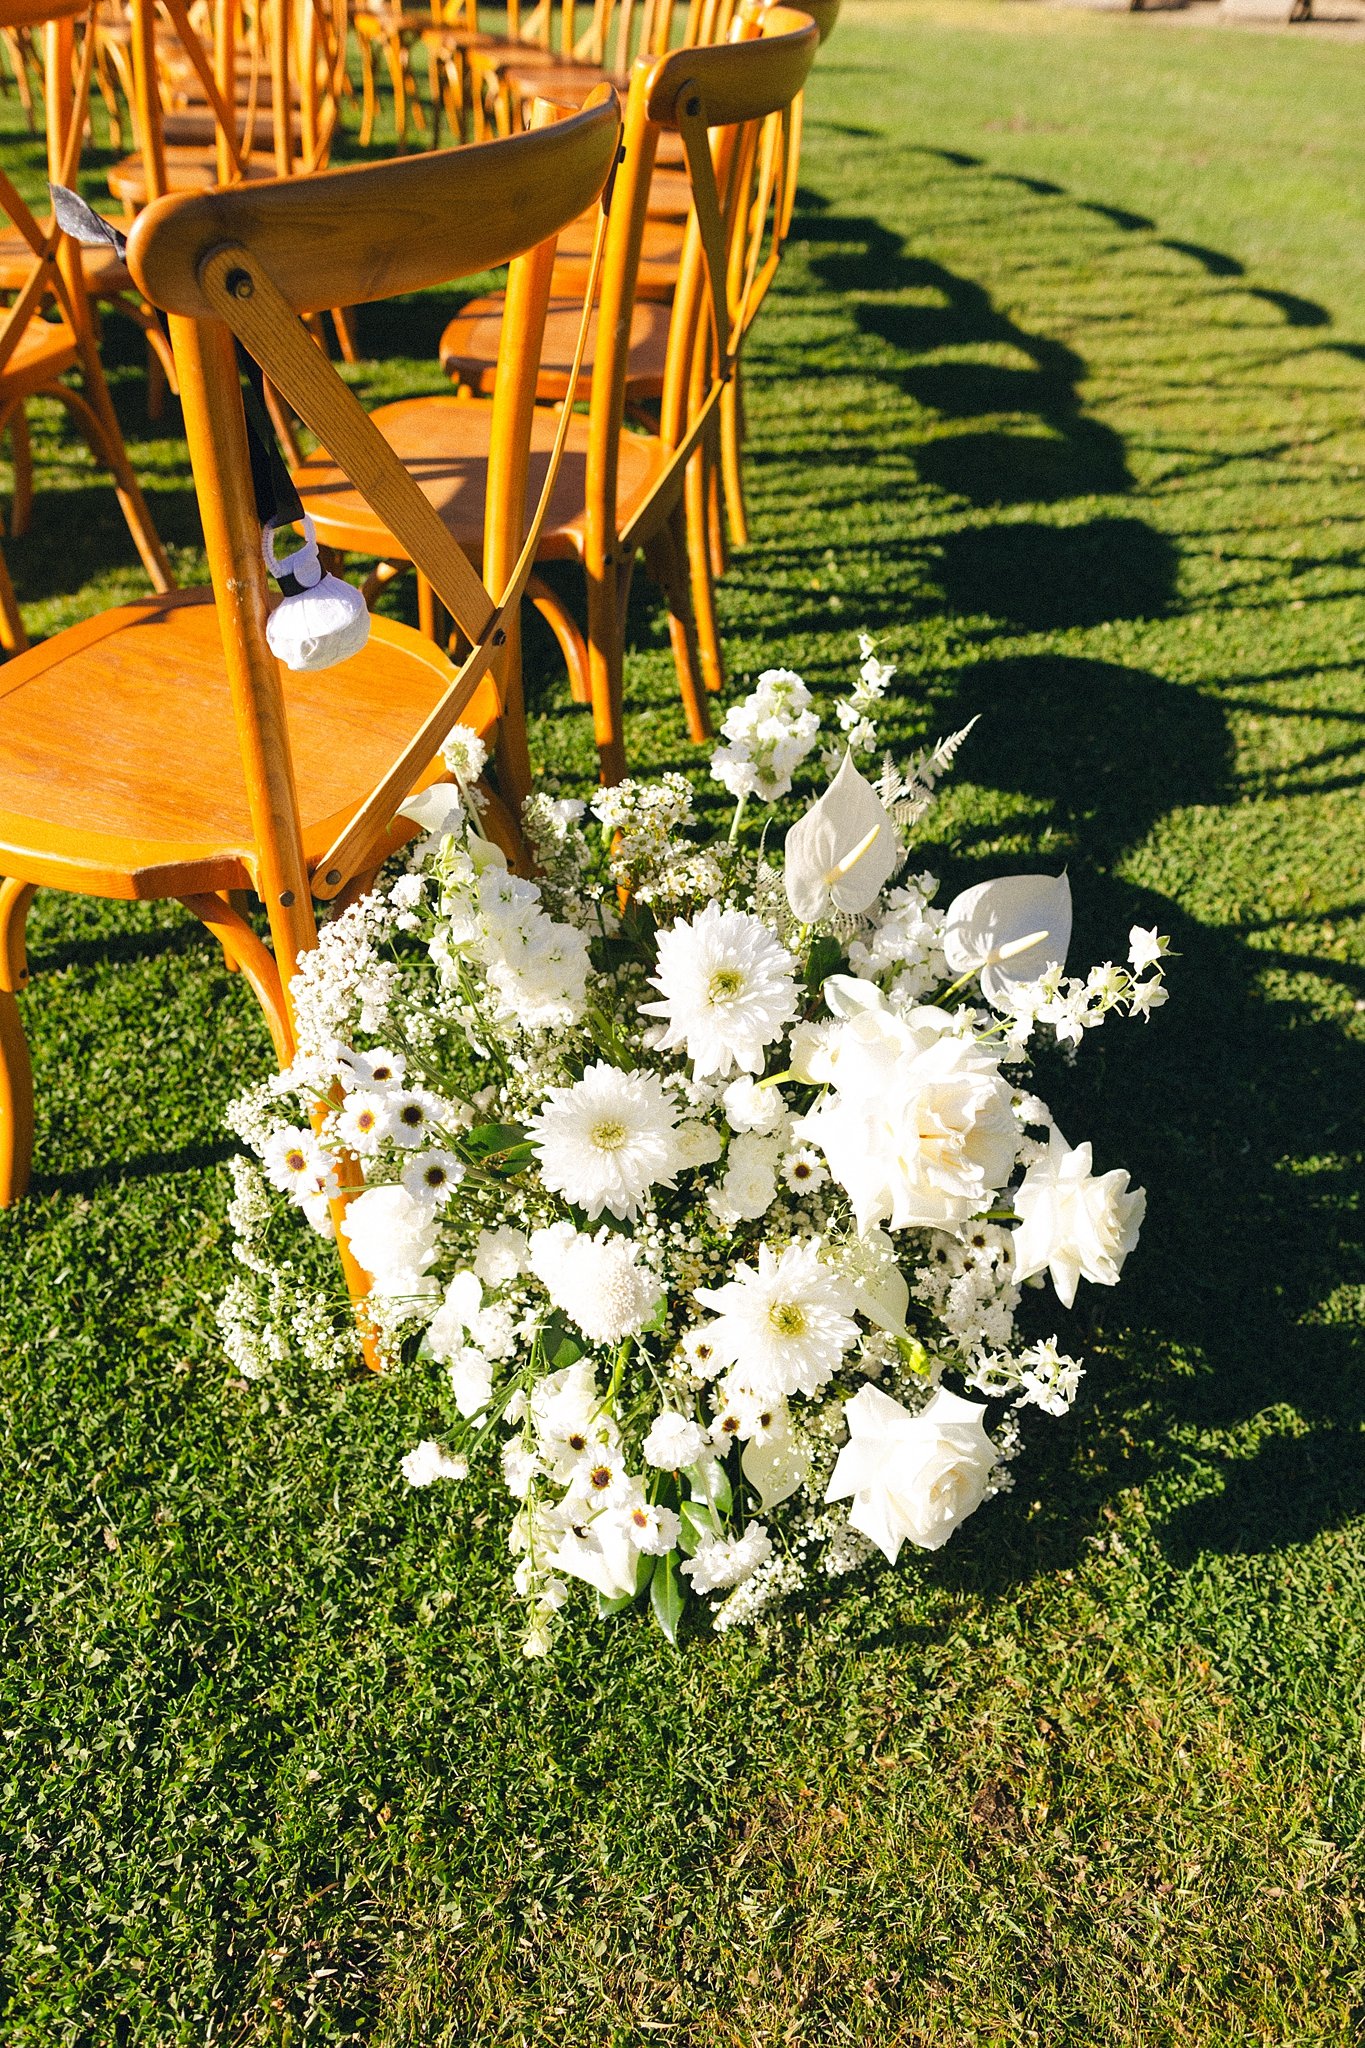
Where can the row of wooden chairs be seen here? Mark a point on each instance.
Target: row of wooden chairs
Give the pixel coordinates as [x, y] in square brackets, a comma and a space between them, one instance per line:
[215, 772]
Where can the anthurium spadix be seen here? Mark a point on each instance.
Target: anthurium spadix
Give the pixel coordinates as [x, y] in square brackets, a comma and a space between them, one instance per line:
[1010, 931]
[841, 855]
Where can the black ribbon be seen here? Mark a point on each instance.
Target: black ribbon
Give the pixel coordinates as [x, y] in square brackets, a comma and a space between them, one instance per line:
[277, 501]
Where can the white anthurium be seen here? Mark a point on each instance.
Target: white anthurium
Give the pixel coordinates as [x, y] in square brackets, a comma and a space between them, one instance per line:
[437, 809]
[1010, 931]
[881, 1290]
[841, 855]
[774, 1464]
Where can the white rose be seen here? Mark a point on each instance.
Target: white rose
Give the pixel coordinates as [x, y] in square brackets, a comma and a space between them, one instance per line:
[912, 1478]
[917, 1126]
[1072, 1222]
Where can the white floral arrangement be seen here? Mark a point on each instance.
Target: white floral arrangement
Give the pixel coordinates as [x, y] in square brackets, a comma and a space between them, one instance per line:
[702, 1184]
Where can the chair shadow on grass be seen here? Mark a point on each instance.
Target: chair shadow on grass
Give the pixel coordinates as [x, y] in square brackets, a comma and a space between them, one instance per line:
[1230, 1105]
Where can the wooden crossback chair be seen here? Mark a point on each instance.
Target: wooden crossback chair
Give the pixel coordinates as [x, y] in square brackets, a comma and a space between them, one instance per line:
[211, 771]
[36, 351]
[619, 493]
[261, 100]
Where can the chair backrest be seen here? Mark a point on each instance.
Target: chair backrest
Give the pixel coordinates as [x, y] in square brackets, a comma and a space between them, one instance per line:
[256, 65]
[715, 97]
[246, 262]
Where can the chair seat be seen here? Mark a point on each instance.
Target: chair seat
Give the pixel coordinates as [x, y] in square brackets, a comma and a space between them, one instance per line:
[120, 773]
[568, 85]
[189, 168]
[104, 270]
[444, 443]
[469, 347]
[46, 350]
[660, 254]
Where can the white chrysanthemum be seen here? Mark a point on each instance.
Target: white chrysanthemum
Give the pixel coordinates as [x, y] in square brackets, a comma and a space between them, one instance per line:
[596, 1281]
[606, 1140]
[728, 990]
[788, 1322]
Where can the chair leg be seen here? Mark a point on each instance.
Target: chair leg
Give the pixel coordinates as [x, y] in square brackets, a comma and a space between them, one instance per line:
[16, 1071]
[731, 458]
[368, 103]
[343, 320]
[565, 630]
[666, 560]
[607, 594]
[223, 918]
[21, 448]
[13, 638]
[699, 561]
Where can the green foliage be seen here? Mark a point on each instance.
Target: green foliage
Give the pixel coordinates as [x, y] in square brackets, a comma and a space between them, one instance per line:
[1062, 395]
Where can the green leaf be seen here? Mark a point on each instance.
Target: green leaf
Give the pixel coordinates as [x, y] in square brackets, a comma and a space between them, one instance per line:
[559, 1344]
[666, 1595]
[485, 1139]
[711, 1484]
[698, 1523]
[823, 960]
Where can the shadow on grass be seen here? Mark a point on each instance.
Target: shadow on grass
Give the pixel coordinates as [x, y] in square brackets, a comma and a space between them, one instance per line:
[89, 1180]
[1231, 1106]
[1228, 1107]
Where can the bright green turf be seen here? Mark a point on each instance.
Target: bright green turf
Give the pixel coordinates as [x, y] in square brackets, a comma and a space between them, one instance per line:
[1062, 395]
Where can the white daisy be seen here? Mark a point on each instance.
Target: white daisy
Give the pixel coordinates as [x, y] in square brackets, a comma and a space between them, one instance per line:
[379, 1068]
[414, 1114]
[606, 1140]
[296, 1164]
[788, 1322]
[728, 990]
[803, 1170]
[363, 1122]
[433, 1176]
[649, 1527]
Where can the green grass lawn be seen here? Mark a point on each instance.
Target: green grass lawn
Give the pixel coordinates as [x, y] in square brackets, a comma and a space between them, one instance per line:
[1062, 395]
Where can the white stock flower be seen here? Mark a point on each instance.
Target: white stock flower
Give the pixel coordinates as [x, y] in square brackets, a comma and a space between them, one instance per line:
[728, 990]
[464, 754]
[769, 734]
[393, 1237]
[912, 1478]
[1073, 1223]
[460, 1305]
[728, 1563]
[471, 1380]
[1010, 932]
[597, 1282]
[673, 1440]
[427, 1462]
[605, 1141]
[788, 1321]
[917, 1127]
[843, 852]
